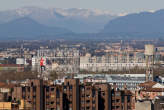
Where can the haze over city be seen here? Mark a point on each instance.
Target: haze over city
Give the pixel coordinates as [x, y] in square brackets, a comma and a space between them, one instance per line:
[81, 55]
[114, 6]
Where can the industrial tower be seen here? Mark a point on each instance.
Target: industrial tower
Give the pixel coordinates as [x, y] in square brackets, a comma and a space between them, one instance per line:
[149, 54]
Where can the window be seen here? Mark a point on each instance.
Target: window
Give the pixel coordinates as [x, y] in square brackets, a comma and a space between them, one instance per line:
[87, 95]
[82, 101]
[128, 98]
[47, 96]
[93, 108]
[57, 93]
[70, 87]
[117, 100]
[70, 96]
[87, 108]
[93, 93]
[88, 101]
[117, 107]
[52, 102]
[67, 83]
[47, 103]
[47, 89]
[103, 94]
[32, 83]
[23, 89]
[28, 89]
[52, 89]
[82, 88]
[70, 102]
[65, 88]
[34, 89]
[88, 88]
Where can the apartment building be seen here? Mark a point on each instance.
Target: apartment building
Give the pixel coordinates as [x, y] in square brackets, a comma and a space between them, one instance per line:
[122, 100]
[72, 95]
[32, 92]
[159, 103]
[114, 61]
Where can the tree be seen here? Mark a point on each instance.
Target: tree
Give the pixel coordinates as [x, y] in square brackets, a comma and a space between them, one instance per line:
[17, 76]
[53, 75]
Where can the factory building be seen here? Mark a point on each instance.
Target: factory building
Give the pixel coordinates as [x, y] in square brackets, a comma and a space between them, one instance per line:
[120, 80]
[122, 60]
[112, 61]
[61, 60]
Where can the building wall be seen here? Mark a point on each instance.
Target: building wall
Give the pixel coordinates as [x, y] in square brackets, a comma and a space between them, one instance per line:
[73, 95]
[148, 95]
[146, 105]
[33, 93]
[112, 62]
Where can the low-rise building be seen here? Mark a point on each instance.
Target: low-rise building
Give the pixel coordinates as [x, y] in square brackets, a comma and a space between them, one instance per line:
[149, 91]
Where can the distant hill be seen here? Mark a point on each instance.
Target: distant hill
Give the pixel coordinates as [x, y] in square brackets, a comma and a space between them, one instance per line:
[55, 23]
[76, 20]
[26, 28]
[145, 24]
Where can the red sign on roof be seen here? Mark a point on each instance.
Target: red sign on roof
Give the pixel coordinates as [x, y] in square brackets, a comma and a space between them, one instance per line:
[42, 62]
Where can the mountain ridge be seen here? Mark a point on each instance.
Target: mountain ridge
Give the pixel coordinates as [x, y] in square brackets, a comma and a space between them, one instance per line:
[144, 23]
[90, 21]
[26, 28]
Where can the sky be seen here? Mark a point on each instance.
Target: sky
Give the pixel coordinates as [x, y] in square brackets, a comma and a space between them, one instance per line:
[114, 6]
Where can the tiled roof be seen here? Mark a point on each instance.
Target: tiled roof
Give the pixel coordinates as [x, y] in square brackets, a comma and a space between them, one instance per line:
[5, 85]
[148, 84]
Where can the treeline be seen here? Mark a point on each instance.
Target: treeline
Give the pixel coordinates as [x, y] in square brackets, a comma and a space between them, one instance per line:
[159, 71]
[17, 76]
[121, 71]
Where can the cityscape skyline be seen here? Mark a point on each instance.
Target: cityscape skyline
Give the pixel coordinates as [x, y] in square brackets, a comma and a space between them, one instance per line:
[81, 55]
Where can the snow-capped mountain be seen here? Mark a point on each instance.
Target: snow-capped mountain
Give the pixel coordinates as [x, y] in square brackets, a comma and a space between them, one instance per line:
[76, 20]
[82, 12]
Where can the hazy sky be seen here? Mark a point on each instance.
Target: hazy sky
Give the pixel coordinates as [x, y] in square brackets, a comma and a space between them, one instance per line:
[115, 6]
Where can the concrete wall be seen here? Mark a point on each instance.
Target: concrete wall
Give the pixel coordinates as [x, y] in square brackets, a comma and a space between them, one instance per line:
[146, 105]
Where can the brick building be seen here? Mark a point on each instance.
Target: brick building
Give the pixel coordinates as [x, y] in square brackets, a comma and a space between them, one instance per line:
[73, 95]
[32, 92]
[122, 100]
[159, 103]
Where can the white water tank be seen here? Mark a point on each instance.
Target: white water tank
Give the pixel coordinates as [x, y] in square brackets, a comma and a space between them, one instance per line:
[149, 49]
[20, 61]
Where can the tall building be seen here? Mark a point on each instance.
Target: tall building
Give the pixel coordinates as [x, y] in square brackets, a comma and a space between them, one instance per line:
[73, 95]
[32, 92]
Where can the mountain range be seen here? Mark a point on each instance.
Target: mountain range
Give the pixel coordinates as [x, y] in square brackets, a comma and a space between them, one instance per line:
[76, 20]
[26, 28]
[144, 24]
[38, 23]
